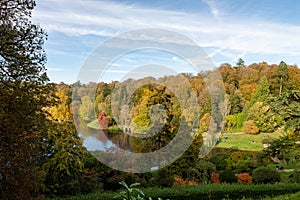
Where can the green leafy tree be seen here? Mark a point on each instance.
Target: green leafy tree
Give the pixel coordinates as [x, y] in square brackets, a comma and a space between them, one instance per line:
[263, 117]
[23, 95]
[262, 91]
[63, 164]
[86, 109]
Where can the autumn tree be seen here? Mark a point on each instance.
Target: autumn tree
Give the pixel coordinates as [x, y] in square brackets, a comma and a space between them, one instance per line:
[250, 128]
[23, 96]
[103, 121]
[60, 111]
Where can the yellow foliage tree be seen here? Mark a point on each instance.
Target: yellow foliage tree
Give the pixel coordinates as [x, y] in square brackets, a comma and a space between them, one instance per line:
[205, 122]
[60, 112]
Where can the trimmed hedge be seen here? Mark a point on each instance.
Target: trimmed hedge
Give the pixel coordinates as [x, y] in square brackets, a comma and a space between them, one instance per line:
[208, 191]
[233, 191]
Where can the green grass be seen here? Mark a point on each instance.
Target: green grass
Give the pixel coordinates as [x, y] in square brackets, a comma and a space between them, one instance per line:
[94, 124]
[243, 141]
[285, 166]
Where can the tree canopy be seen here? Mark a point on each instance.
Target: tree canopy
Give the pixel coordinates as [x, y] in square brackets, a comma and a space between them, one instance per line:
[23, 95]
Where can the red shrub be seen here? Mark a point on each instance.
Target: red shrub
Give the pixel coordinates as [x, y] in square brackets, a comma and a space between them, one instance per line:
[244, 178]
[215, 178]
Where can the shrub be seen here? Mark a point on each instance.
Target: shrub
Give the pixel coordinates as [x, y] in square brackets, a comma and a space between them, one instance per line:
[179, 181]
[240, 119]
[265, 175]
[163, 178]
[215, 178]
[267, 140]
[219, 160]
[227, 176]
[244, 178]
[240, 161]
[294, 177]
[249, 127]
[201, 171]
[234, 122]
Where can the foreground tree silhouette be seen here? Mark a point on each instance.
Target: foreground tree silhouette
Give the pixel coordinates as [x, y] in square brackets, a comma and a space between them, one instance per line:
[23, 96]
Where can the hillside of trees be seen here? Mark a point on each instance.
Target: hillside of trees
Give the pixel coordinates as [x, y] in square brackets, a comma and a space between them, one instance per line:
[258, 98]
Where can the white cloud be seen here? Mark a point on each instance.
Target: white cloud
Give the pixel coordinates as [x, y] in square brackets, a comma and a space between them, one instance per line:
[213, 7]
[113, 71]
[174, 58]
[108, 18]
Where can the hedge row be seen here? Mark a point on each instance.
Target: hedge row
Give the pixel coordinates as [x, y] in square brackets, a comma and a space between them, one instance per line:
[234, 191]
[209, 191]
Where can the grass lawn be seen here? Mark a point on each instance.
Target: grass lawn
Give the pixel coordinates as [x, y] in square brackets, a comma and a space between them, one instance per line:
[285, 165]
[94, 124]
[244, 141]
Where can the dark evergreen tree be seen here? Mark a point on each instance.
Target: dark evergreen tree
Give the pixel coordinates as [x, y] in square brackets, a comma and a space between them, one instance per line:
[283, 74]
[240, 63]
[236, 102]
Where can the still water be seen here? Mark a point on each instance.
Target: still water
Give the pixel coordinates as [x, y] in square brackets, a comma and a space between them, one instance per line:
[94, 139]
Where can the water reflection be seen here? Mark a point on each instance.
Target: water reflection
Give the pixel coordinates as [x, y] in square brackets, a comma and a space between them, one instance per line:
[96, 140]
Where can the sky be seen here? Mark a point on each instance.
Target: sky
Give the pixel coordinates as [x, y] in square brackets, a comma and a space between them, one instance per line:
[226, 30]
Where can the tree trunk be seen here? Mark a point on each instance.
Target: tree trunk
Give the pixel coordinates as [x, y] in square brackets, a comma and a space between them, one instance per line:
[280, 89]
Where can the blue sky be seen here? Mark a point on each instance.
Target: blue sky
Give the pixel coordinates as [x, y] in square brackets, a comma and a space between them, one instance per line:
[255, 30]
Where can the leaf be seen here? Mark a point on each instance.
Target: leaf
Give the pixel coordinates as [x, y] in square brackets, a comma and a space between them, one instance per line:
[135, 184]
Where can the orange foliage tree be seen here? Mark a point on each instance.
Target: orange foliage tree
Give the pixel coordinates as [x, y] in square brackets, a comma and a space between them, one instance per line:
[249, 127]
[244, 178]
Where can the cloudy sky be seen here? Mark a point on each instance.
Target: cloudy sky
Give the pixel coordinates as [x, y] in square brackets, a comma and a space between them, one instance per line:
[255, 30]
